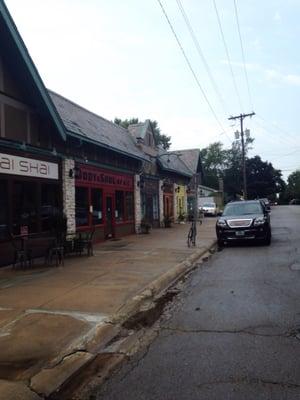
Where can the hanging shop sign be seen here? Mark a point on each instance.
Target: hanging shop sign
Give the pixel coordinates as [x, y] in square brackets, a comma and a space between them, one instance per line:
[14, 165]
[96, 176]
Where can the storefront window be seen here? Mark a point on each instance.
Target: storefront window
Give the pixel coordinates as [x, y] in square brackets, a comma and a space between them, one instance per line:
[81, 206]
[49, 204]
[119, 212]
[96, 199]
[3, 210]
[24, 202]
[129, 206]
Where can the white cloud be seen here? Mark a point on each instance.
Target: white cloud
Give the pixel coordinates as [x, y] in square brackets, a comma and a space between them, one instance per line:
[292, 79]
[277, 17]
[279, 78]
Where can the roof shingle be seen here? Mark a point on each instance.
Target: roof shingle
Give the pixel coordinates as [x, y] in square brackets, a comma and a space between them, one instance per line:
[84, 123]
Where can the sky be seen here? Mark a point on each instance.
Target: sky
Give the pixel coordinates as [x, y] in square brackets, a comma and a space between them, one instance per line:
[121, 59]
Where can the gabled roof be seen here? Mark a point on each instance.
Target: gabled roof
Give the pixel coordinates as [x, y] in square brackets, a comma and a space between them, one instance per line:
[171, 161]
[84, 124]
[140, 129]
[12, 43]
[191, 159]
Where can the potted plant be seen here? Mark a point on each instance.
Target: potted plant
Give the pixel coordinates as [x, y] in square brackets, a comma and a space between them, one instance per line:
[181, 218]
[145, 226]
[167, 221]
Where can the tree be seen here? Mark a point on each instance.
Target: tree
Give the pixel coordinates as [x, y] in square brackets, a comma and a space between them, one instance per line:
[126, 122]
[293, 185]
[214, 161]
[263, 180]
[160, 138]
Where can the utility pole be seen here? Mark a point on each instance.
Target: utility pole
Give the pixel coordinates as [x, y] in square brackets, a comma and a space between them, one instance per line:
[196, 187]
[241, 118]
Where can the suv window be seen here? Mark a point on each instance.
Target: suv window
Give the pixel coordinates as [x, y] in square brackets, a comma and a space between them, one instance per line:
[243, 208]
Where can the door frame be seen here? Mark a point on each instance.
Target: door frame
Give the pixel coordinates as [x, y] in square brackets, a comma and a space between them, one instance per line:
[113, 222]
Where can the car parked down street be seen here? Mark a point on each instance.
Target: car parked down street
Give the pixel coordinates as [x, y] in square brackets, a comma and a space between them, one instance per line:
[209, 209]
[244, 220]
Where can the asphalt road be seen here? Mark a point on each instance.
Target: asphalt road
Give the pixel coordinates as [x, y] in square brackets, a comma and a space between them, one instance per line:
[233, 331]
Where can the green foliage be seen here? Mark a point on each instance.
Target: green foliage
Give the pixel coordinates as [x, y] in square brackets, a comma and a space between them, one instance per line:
[293, 187]
[160, 138]
[214, 161]
[263, 180]
[126, 122]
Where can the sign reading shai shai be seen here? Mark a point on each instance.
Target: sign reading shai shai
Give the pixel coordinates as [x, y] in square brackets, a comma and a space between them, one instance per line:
[15, 165]
[85, 174]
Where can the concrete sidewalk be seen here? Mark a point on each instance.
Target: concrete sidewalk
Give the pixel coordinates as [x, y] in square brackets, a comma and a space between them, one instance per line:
[53, 320]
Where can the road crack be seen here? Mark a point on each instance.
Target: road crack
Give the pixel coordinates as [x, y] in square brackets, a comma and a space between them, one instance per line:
[250, 381]
[136, 364]
[235, 331]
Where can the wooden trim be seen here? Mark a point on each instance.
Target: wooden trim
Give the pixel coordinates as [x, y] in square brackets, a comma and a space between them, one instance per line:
[1, 75]
[28, 124]
[14, 103]
[2, 115]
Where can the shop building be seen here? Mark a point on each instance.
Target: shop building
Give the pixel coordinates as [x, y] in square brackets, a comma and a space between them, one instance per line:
[149, 181]
[102, 177]
[192, 160]
[176, 177]
[160, 178]
[56, 157]
[32, 141]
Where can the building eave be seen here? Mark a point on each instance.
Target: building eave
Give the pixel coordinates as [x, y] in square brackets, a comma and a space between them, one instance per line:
[32, 69]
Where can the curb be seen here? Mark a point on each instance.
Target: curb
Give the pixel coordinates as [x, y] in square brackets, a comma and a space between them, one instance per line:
[48, 382]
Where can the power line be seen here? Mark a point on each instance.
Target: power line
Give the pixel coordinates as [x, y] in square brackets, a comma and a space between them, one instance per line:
[243, 53]
[279, 129]
[191, 68]
[227, 54]
[283, 138]
[201, 54]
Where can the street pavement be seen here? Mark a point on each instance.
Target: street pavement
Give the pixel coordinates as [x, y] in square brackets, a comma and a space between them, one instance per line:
[52, 319]
[234, 331]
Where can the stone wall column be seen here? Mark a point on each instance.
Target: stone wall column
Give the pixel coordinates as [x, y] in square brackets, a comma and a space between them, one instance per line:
[137, 204]
[185, 209]
[175, 202]
[161, 203]
[68, 185]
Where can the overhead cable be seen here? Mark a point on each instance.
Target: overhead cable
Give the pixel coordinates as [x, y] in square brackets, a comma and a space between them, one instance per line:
[201, 54]
[284, 132]
[243, 53]
[191, 69]
[227, 55]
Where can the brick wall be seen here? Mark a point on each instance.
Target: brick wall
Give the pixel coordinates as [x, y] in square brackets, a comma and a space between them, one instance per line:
[137, 204]
[69, 194]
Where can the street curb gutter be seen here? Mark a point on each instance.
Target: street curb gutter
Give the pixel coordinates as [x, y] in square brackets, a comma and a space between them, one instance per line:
[49, 381]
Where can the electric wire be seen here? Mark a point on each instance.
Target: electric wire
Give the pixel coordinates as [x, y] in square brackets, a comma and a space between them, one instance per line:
[282, 137]
[201, 54]
[279, 129]
[243, 53]
[227, 55]
[191, 69]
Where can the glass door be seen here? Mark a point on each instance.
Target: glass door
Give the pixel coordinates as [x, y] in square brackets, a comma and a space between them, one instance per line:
[109, 217]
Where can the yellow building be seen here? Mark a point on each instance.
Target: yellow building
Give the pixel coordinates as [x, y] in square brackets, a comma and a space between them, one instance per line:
[181, 203]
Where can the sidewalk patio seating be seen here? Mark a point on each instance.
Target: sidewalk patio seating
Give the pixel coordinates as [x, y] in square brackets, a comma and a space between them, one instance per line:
[84, 241]
[22, 253]
[55, 252]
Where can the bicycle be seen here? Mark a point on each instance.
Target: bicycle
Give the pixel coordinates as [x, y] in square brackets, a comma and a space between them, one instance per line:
[191, 239]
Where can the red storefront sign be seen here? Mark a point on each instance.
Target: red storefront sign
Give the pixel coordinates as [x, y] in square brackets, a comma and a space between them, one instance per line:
[93, 176]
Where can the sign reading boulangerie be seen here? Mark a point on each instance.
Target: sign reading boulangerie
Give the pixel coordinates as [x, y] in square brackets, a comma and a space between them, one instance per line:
[15, 165]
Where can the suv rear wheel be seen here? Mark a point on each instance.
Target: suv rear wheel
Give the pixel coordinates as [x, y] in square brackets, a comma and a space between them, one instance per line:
[267, 240]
